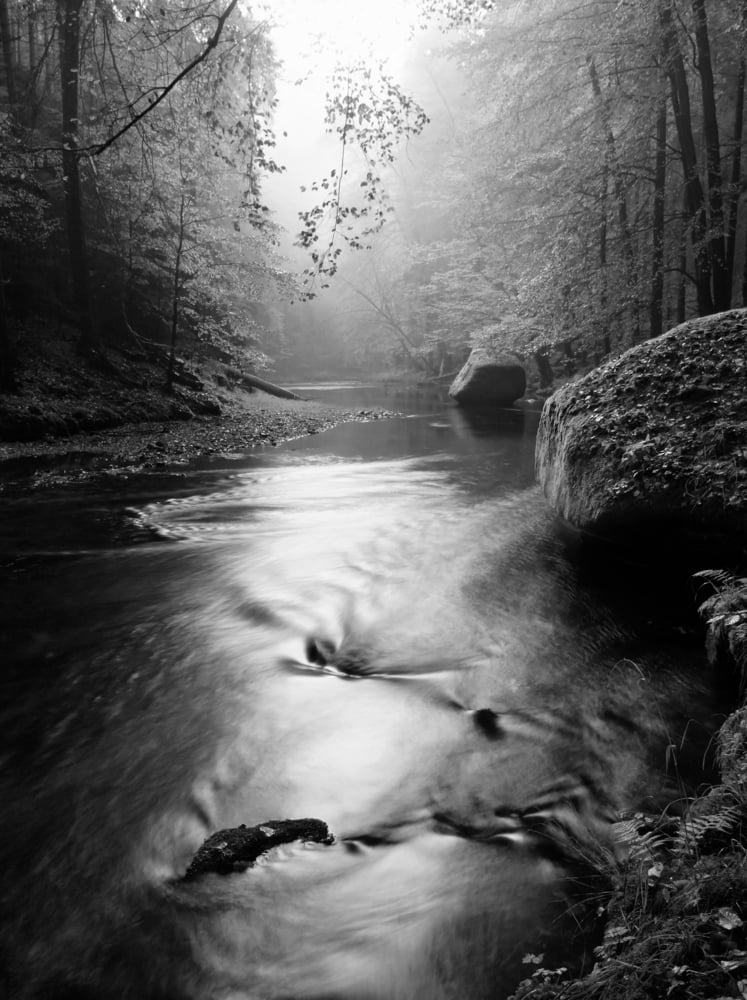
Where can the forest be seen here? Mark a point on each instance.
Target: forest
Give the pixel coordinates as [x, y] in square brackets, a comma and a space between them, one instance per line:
[475, 673]
[557, 179]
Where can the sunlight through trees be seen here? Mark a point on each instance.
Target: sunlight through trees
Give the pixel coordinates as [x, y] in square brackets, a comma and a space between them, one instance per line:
[555, 179]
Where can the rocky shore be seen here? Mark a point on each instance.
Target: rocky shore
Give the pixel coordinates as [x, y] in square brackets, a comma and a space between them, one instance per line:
[113, 413]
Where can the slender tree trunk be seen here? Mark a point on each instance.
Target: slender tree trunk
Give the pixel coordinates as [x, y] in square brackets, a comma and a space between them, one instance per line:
[619, 189]
[544, 368]
[682, 283]
[16, 34]
[657, 228]
[603, 298]
[69, 13]
[695, 198]
[717, 247]
[31, 36]
[48, 74]
[8, 62]
[175, 295]
[736, 172]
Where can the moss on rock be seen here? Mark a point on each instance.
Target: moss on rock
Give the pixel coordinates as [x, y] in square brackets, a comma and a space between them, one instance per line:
[658, 437]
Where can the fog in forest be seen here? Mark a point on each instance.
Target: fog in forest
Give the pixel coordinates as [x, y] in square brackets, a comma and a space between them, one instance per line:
[388, 185]
[326, 675]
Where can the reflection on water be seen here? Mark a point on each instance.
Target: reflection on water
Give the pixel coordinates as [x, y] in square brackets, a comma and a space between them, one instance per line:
[387, 636]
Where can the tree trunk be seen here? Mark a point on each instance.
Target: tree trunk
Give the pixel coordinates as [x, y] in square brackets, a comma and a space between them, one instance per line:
[717, 248]
[254, 382]
[682, 284]
[32, 53]
[546, 374]
[8, 63]
[694, 196]
[618, 185]
[603, 298]
[31, 36]
[657, 228]
[175, 297]
[736, 173]
[69, 14]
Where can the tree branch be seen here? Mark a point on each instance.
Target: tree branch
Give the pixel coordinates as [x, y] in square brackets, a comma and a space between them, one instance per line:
[212, 42]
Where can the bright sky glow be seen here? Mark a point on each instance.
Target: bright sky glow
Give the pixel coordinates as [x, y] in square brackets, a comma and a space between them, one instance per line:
[313, 35]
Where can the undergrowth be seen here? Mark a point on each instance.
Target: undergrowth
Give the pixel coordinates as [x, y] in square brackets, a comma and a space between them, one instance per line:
[676, 918]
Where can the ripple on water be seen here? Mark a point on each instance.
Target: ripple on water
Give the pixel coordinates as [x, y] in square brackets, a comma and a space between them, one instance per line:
[361, 642]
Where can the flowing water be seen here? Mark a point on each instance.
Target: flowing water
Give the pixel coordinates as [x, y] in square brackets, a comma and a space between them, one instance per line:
[381, 627]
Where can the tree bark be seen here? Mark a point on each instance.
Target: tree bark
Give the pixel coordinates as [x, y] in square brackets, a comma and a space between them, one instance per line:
[32, 53]
[175, 297]
[31, 35]
[694, 196]
[736, 172]
[717, 248]
[657, 228]
[7, 48]
[544, 368]
[69, 14]
[682, 283]
[255, 382]
[613, 164]
[603, 297]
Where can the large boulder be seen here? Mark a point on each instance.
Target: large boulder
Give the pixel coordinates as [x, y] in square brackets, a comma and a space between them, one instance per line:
[486, 380]
[657, 439]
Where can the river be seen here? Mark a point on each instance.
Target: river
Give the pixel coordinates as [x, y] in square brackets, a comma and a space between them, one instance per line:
[381, 626]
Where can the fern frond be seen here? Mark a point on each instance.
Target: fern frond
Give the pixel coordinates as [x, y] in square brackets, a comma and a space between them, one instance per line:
[707, 834]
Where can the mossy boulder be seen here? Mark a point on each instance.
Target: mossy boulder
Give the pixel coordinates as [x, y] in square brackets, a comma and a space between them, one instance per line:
[487, 380]
[656, 439]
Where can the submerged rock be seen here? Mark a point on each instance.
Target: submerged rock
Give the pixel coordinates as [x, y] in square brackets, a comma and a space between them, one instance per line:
[656, 439]
[238, 848]
[486, 380]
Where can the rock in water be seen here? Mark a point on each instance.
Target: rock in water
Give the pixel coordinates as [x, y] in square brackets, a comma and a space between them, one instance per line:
[238, 848]
[486, 380]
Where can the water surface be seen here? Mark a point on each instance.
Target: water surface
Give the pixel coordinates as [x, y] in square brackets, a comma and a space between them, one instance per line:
[379, 626]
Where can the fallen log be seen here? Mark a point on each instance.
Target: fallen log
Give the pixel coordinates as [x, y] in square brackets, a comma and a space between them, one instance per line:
[445, 377]
[253, 382]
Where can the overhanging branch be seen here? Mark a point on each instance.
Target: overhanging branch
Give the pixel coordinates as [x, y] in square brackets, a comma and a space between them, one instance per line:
[212, 42]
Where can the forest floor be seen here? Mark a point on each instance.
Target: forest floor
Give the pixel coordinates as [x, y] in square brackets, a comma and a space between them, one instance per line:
[77, 416]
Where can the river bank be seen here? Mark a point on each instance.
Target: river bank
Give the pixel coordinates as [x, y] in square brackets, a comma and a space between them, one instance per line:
[68, 417]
